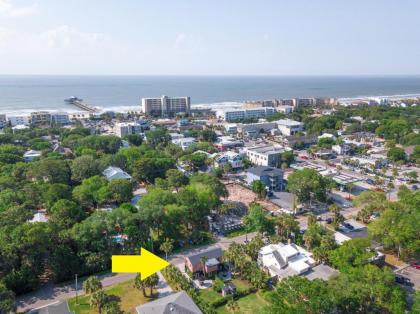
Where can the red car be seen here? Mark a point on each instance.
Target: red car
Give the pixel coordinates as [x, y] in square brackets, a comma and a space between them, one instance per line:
[416, 265]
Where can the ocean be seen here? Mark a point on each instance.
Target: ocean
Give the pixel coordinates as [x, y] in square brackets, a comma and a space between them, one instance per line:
[23, 94]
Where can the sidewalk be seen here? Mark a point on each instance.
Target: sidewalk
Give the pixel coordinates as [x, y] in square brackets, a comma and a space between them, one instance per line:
[163, 288]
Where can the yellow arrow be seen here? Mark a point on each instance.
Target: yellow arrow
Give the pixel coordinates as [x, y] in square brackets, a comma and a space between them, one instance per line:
[146, 263]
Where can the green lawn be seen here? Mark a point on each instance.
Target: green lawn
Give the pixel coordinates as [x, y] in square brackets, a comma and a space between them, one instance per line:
[250, 304]
[125, 293]
[236, 233]
[209, 295]
[241, 284]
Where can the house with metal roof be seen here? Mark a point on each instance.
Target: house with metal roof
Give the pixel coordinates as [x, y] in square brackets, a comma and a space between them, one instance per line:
[112, 173]
[284, 260]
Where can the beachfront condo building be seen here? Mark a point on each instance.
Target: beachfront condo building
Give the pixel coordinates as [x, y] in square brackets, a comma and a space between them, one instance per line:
[165, 106]
[240, 114]
[128, 128]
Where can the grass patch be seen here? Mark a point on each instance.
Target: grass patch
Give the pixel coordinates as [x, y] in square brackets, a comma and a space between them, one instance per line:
[236, 233]
[125, 293]
[241, 284]
[250, 304]
[209, 295]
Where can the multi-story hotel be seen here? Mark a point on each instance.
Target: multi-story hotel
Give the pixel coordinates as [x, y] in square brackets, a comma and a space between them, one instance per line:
[165, 106]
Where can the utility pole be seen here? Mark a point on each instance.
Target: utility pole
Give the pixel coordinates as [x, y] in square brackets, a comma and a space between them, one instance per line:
[77, 302]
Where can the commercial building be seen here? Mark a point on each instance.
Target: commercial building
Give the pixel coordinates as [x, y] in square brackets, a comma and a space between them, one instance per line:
[272, 178]
[285, 109]
[289, 127]
[231, 128]
[256, 128]
[267, 155]
[81, 115]
[240, 114]
[226, 142]
[126, 128]
[166, 106]
[260, 103]
[3, 121]
[60, 118]
[18, 120]
[40, 117]
[305, 102]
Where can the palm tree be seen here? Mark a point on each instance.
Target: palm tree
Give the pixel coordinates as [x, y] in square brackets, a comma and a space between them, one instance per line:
[167, 247]
[139, 284]
[98, 299]
[350, 186]
[232, 305]
[203, 260]
[92, 284]
[390, 186]
[112, 308]
[151, 282]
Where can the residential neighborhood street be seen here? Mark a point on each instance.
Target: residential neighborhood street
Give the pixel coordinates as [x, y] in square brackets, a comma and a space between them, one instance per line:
[51, 294]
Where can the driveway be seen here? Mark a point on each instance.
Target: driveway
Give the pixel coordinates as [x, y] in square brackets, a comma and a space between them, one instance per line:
[412, 274]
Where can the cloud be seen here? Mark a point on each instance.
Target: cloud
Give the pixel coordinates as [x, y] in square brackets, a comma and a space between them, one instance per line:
[5, 34]
[64, 36]
[180, 39]
[8, 9]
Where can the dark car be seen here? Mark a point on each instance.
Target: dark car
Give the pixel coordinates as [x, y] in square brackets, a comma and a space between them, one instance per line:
[415, 187]
[403, 281]
[348, 226]
[329, 220]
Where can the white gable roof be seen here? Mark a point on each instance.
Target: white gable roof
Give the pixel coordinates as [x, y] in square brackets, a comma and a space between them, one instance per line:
[112, 173]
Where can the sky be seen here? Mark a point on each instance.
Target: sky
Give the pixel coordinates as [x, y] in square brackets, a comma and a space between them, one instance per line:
[210, 37]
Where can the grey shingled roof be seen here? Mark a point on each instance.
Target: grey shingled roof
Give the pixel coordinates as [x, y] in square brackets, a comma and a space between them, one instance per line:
[177, 303]
[265, 171]
[211, 253]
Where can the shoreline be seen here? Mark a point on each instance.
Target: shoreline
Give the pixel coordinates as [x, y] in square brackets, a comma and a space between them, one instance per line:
[213, 105]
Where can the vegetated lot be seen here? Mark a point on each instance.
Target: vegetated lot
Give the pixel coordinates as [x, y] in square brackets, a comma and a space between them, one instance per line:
[249, 303]
[238, 193]
[124, 293]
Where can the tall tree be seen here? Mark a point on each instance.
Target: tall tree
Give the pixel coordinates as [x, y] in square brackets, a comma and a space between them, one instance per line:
[92, 284]
[98, 300]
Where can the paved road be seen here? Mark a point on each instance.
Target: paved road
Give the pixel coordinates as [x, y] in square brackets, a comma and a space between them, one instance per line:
[51, 293]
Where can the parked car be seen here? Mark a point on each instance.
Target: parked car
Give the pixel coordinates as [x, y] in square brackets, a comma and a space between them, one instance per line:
[348, 226]
[416, 265]
[403, 280]
[329, 220]
[415, 187]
